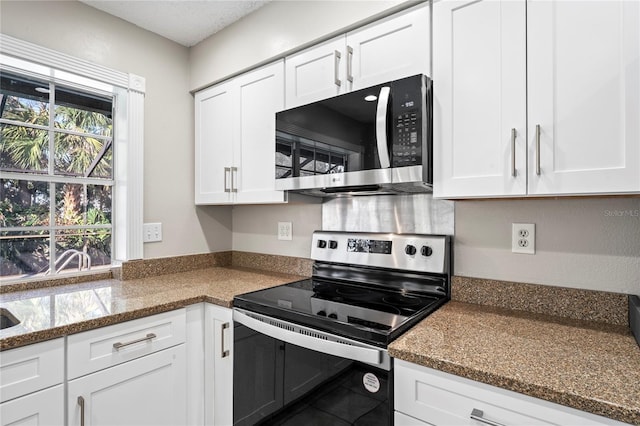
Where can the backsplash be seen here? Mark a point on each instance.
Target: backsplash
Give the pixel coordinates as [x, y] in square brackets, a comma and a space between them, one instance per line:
[584, 305]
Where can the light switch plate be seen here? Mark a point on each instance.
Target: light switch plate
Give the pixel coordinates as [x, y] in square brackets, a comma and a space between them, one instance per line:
[151, 232]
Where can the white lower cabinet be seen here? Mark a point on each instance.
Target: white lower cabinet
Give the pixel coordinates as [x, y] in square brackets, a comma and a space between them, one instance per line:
[43, 408]
[132, 373]
[426, 396]
[31, 389]
[218, 375]
[147, 391]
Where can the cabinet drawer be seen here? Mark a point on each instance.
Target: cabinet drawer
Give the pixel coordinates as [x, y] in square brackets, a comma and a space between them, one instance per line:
[104, 347]
[441, 399]
[31, 368]
[44, 408]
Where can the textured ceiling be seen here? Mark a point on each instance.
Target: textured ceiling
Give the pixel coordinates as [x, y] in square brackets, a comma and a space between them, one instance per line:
[184, 21]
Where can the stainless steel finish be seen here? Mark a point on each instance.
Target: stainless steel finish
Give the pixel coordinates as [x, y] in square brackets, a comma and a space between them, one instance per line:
[234, 183]
[436, 263]
[513, 152]
[405, 214]
[350, 64]
[538, 149]
[227, 170]
[477, 415]
[313, 185]
[381, 127]
[223, 353]
[634, 316]
[149, 336]
[313, 339]
[336, 68]
[81, 404]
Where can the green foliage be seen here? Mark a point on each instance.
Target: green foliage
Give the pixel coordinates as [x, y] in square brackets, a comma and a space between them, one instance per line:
[25, 203]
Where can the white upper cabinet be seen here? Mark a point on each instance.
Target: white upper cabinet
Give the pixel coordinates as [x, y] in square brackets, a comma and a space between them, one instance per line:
[235, 137]
[480, 120]
[214, 128]
[392, 48]
[584, 93]
[536, 98]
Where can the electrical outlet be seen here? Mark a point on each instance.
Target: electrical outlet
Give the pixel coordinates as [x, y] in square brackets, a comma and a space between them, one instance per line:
[523, 238]
[151, 232]
[284, 230]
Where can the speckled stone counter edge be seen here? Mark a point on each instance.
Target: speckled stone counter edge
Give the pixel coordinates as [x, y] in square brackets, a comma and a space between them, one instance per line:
[563, 398]
[586, 305]
[273, 263]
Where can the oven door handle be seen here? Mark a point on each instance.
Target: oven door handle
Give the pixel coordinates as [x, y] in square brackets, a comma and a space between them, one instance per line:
[356, 353]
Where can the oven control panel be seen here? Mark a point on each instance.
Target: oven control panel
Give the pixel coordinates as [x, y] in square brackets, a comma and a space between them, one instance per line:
[412, 252]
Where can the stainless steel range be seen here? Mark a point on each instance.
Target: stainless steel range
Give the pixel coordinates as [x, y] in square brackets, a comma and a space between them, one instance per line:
[315, 350]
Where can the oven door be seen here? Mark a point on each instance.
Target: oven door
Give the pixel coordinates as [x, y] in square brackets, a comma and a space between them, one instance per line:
[285, 373]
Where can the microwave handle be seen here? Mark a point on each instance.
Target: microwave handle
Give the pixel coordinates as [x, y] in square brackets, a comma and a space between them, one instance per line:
[381, 127]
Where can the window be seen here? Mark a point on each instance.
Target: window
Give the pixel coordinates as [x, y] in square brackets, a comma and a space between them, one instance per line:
[56, 188]
[81, 190]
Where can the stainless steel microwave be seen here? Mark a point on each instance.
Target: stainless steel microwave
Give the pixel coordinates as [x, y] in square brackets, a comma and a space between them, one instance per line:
[374, 140]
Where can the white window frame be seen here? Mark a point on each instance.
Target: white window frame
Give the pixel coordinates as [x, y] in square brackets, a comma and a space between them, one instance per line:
[128, 91]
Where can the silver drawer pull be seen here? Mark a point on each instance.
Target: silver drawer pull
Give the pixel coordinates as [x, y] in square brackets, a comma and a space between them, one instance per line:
[81, 404]
[223, 352]
[119, 345]
[477, 415]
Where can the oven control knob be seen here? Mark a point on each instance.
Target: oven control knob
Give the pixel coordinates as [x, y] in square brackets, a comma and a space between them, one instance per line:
[322, 313]
[426, 251]
[333, 244]
[322, 243]
[410, 250]
[333, 316]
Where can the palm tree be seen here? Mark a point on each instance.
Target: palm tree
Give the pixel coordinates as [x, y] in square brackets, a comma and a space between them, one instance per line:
[76, 153]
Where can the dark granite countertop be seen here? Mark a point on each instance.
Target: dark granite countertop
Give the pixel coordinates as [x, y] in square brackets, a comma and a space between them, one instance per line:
[590, 366]
[52, 312]
[594, 367]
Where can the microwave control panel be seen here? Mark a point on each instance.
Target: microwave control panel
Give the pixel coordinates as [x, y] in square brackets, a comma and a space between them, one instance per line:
[407, 132]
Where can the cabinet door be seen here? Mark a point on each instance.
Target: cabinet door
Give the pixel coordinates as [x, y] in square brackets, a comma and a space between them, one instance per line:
[43, 408]
[393, 48]
[214, 139]
[479, 74]
[316, 73]
[146, 391]
[219, 354]
[261, 94]
[584, 93]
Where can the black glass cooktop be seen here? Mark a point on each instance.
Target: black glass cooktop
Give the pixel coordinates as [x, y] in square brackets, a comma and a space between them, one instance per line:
[371, 314]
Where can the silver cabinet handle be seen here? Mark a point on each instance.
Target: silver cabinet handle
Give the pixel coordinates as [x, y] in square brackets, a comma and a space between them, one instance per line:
[336, 70]
[381, 127]
[81, 404]
[227, 170]
[223, 353]
[118, 345]
[478, 415]
[350, 64]
[538, 149]
[234, 184]
[513, 152]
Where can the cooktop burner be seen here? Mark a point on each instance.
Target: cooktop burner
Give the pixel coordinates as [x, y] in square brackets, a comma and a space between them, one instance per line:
[367, 287]
[373, 314]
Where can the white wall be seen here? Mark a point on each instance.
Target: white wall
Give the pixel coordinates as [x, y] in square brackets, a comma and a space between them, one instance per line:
[82, 31]
[591, 243]
[255, 228]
